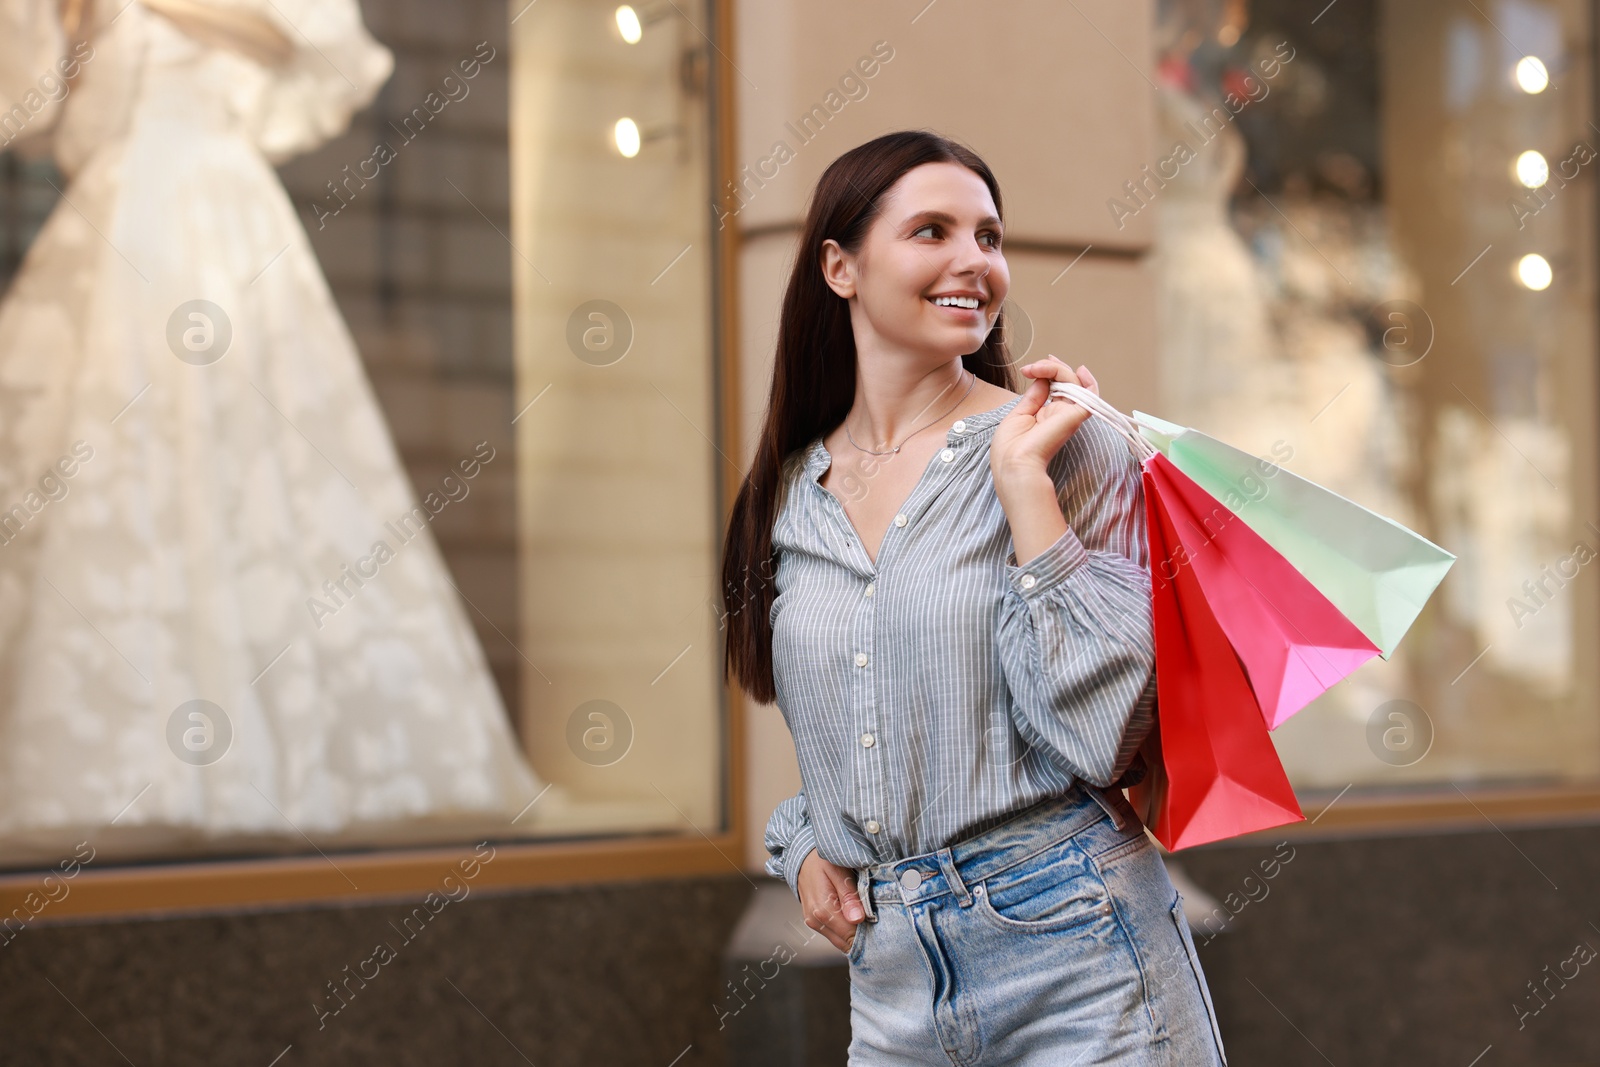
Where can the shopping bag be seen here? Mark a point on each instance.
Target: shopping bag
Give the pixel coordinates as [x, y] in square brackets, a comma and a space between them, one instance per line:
[1212, 772]
[1294, 643]
[1240, 641]
[1375, 571]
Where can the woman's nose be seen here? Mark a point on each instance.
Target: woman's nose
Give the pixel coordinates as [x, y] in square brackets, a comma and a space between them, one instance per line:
[971, 257]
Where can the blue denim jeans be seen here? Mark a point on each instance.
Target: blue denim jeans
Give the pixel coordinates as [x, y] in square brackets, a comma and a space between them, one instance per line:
[1055, 938]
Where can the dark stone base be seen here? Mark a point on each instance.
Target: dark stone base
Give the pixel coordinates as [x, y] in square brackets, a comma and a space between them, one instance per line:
[1404, 950]
[1407, 950]
[615, 975]
[801, 1019]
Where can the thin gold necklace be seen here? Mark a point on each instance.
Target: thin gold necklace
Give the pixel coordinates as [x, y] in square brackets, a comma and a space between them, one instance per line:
[918, 430]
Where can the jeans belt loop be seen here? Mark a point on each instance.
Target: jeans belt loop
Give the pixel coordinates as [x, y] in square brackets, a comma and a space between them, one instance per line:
[947, 864]
[864, 891]
[1118, 816]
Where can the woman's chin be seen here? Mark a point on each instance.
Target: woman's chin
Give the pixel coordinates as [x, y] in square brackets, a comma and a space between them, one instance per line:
[950, 343]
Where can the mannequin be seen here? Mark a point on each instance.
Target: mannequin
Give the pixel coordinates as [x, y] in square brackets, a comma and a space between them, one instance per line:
[171, 342]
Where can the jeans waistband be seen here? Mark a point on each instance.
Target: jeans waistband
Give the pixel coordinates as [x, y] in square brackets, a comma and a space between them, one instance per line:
[953, 868]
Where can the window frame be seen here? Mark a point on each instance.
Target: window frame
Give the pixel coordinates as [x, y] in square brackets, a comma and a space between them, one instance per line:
[151, 888]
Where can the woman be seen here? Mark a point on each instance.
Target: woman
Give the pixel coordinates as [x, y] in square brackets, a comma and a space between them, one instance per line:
[943, 584]
[176, 378]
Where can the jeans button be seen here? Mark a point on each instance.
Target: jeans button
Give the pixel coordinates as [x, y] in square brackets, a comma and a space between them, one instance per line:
[910, 878]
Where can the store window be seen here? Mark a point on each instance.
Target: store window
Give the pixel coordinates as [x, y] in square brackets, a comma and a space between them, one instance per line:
[1376, 267]
[435, 570]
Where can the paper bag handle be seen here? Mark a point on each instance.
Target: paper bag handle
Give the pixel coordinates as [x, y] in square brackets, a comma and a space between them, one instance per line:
[1125, 425]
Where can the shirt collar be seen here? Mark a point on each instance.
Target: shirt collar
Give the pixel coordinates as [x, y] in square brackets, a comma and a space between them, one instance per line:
[974, 427]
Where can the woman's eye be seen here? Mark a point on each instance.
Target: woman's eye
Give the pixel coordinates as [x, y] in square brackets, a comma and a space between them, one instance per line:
[992, 238]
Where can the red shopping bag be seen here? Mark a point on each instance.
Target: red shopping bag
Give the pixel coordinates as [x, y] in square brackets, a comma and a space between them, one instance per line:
[1294, 643]
[1212, 772]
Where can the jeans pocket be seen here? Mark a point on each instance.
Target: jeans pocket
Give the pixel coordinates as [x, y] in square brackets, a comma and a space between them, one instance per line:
[1059, 889]
[1182, 922]
[858, 943]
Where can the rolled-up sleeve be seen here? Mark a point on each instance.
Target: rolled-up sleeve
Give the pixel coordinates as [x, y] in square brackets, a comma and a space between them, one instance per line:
[1076, 632]
[789, 837]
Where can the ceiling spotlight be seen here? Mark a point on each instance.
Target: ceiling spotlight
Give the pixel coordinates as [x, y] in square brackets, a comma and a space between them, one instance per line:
[1531, 169]
[628, 24]
[1531, 75]
[629, 138]
[631, 21]
[1534, 272]
[626, 136]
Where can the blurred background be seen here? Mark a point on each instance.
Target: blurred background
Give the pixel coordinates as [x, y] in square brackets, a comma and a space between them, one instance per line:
[1357, 238]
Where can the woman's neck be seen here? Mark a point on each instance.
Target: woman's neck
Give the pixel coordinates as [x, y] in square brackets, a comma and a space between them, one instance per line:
[892, 402]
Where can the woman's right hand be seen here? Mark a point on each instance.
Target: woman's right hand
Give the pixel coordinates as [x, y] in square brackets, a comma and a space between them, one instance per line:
[828, 899]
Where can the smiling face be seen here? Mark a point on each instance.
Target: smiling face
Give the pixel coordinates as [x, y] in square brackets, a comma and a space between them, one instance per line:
[930, 276]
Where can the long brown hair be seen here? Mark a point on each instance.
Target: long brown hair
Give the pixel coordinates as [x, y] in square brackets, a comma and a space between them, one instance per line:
[814, 377]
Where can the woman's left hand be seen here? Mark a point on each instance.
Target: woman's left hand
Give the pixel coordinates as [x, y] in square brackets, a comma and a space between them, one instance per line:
[1025, 440]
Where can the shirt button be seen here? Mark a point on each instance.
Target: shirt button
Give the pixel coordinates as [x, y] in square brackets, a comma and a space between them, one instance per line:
[960, 426]
[948, 454]
[872, 826]
[861, 659]
[899, 520]
[866, 740]
[911, 878]
[1027, 581]
[870, 587]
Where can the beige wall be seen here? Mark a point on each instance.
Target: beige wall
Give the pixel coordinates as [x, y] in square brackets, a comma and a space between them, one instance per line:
[1049, 94]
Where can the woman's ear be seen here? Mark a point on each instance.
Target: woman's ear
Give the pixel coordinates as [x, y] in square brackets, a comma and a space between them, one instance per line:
[838, 269]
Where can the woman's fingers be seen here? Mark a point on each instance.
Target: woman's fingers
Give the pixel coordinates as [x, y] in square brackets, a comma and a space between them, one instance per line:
[1033, 398]
[829, 900]
[849, 912]
[821, 913]
[1047, 370]
[825, 920]
[1064, 372]
[1039, 424]
[1052, 368]
[844, 884]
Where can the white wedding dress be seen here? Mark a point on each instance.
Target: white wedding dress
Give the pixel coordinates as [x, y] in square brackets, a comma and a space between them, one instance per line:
[209, 501]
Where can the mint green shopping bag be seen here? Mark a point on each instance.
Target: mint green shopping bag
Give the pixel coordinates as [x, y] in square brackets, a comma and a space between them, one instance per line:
[1375, 571]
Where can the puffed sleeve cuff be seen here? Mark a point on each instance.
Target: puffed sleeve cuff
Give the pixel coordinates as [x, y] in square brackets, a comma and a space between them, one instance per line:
[336, 69]
[795, 853]
[1048, 569]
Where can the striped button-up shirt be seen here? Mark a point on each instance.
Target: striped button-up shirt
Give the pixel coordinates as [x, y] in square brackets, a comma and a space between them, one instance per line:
[941, 689]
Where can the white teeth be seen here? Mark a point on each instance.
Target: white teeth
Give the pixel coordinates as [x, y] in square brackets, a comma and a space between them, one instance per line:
[969, 302]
